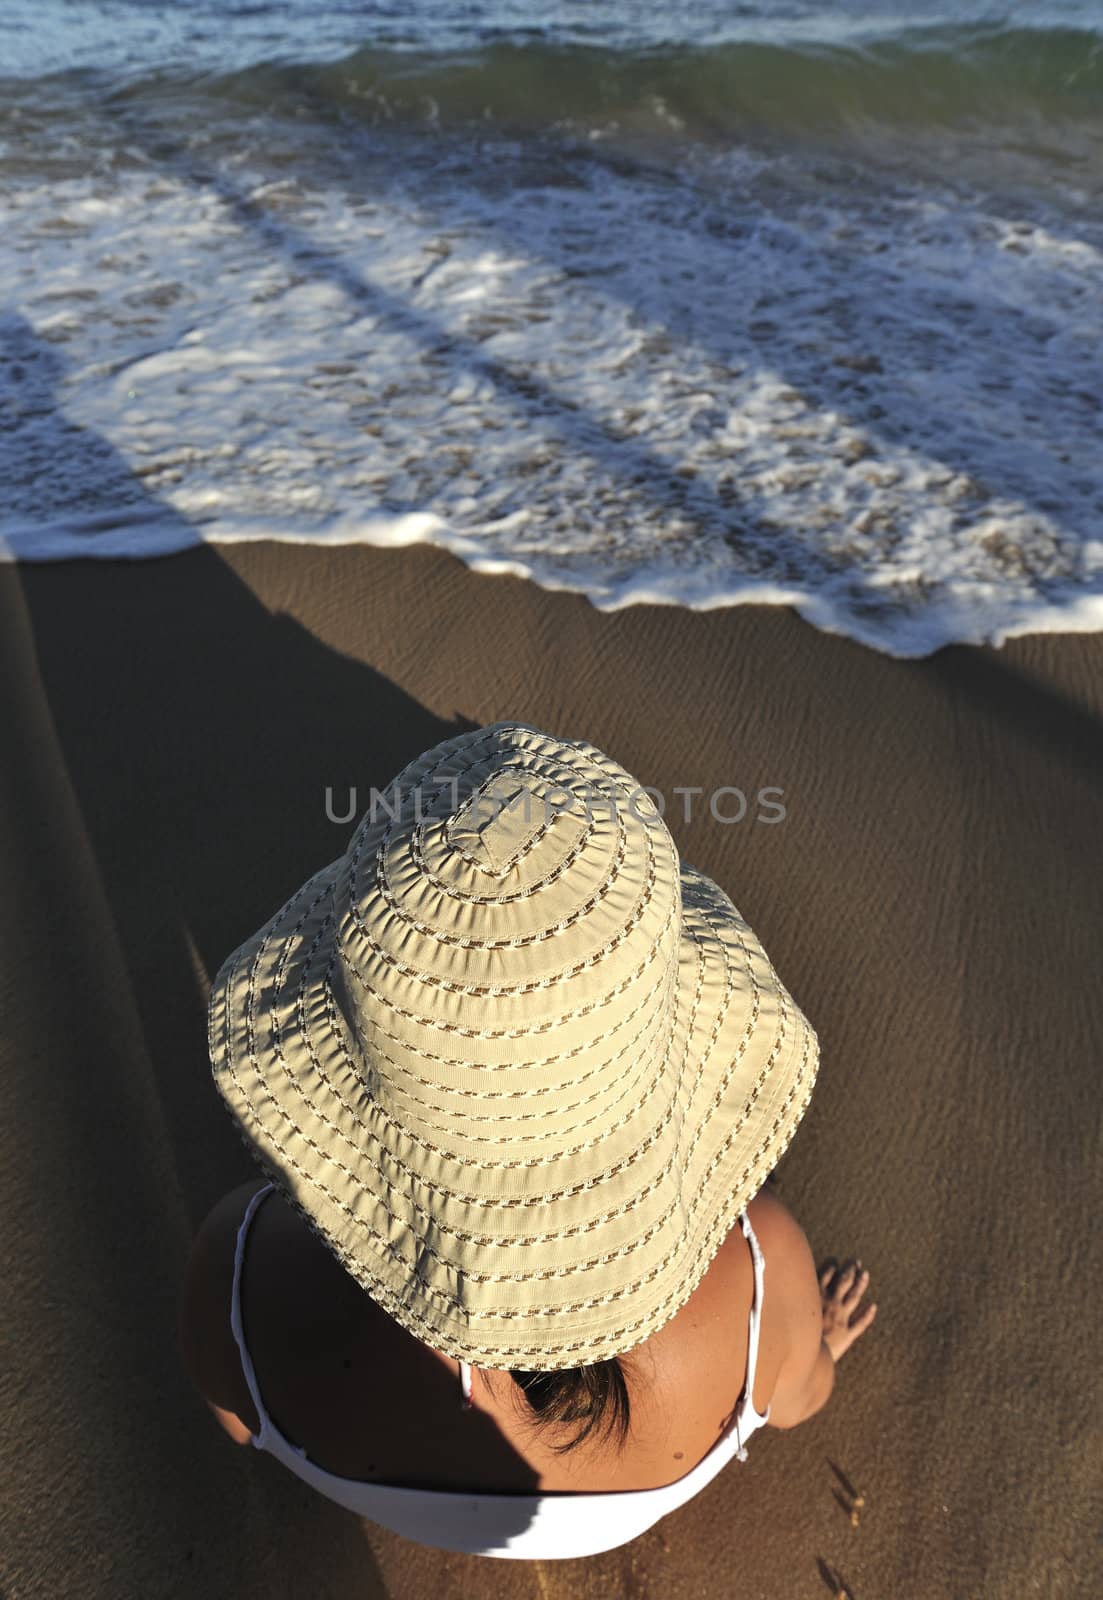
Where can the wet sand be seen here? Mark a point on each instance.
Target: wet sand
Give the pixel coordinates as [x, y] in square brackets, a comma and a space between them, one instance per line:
[931, 899]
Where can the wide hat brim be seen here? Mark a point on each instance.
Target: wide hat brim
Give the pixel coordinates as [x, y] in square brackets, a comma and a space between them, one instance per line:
[467, 1259]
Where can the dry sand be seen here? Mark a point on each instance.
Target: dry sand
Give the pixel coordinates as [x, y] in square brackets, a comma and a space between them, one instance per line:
[931, 899]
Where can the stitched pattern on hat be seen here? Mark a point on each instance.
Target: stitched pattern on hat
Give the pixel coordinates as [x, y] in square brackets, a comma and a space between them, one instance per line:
[365, 1054]
[470, 942]
[288, 945]
[560, 1152]
[490, 1239]
[627, 1084]
[529, 1199]
[455, 892]
[492, 836]
[511, 1353]
[704, 1250]
[697, 908]
[424, 770]
[583, 1010]
[328, 1157]
[319, 935]
[514, 1064]
[306, 1034]
[529, 985]
[519, 941]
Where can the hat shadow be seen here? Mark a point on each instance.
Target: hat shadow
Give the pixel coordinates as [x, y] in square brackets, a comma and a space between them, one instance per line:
[215, 751]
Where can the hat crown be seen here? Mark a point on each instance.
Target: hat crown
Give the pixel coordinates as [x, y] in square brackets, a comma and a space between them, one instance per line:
[508, 929]
[510, 814]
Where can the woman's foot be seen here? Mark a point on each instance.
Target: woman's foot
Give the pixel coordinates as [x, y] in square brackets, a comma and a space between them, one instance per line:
[844, 1317]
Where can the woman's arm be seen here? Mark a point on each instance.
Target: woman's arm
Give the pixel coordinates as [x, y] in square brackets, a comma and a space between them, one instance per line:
[822, 1318]
[816, 1392]
[806, 1376]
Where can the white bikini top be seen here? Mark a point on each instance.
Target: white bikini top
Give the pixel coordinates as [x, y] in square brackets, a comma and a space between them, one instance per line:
[548, 1527]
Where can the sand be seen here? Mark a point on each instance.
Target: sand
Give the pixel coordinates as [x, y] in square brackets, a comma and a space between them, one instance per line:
[931, 899]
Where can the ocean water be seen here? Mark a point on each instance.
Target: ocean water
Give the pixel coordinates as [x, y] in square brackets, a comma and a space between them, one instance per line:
[763, 303]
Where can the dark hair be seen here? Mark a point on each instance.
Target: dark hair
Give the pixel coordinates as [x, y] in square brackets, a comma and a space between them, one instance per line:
[591, 1395]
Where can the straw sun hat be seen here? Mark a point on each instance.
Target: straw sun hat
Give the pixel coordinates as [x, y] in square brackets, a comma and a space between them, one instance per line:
[517, 1065]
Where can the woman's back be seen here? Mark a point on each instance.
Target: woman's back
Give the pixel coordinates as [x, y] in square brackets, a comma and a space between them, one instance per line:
[365, 1400]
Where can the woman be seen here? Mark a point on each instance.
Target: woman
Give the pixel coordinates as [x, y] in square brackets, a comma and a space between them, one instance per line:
[516, 1075]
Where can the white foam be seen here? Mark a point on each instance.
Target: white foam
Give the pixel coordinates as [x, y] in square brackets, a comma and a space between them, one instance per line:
[732, 385]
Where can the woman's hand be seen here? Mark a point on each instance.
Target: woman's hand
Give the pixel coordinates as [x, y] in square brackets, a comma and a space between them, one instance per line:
[844, 1318]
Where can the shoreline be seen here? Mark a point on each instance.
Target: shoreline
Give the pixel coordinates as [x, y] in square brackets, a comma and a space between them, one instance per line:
[917, 637]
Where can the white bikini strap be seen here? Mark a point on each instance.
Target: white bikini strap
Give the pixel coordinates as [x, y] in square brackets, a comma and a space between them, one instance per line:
[235, 1307]
[756, 1307]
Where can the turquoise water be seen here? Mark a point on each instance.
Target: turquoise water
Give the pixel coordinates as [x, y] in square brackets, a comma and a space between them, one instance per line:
[701, 305]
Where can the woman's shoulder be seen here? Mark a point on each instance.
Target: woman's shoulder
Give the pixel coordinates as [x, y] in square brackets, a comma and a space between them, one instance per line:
[791, 1288]
[772, 1221]
[786, 1253]
[785, 1245]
